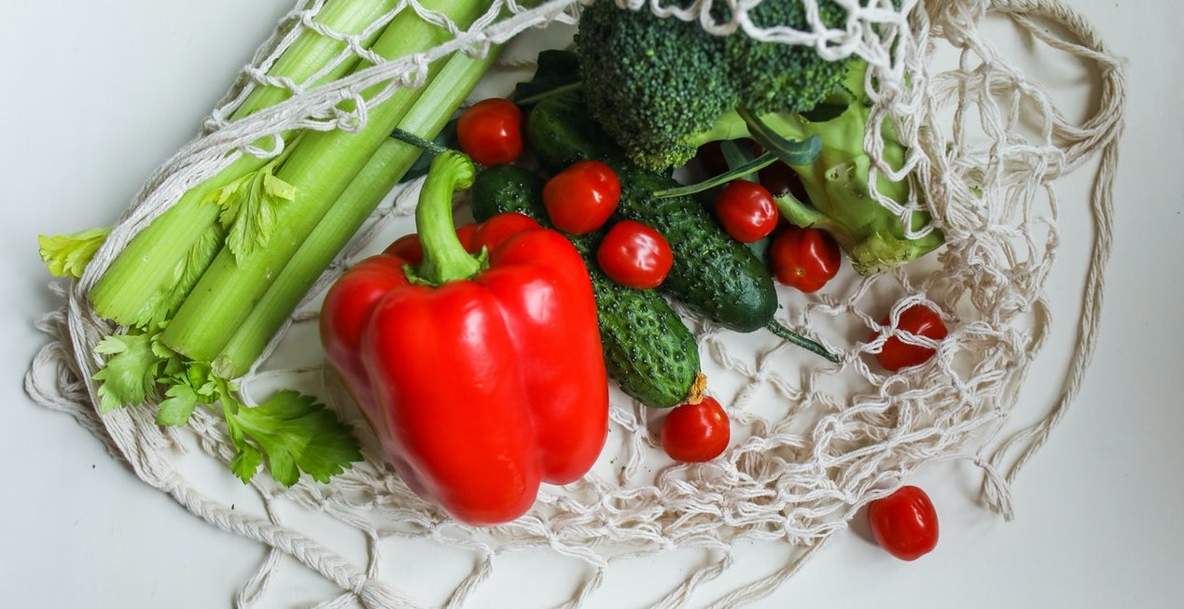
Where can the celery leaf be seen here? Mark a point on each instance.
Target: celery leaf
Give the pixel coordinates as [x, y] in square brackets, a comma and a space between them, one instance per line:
[250, 206]
[181, 401]
[165, 301]
[130, 375]
[296, 433]
[246, 462]
[191, 384]
[68, 255]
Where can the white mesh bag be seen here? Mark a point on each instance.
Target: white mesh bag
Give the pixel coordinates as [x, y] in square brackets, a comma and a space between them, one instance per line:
[813, 442]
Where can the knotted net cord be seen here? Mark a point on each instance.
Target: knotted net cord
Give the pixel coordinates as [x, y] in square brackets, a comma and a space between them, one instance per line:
[985, 146]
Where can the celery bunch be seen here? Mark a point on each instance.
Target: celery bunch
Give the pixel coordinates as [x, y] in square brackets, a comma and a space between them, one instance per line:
[205, 287]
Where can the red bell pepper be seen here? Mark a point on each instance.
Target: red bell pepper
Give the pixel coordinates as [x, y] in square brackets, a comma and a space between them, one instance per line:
[481, 375]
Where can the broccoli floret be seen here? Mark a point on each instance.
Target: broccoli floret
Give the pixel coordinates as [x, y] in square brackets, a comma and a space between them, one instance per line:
[774, 77]
[660, 85]
[840, 201]
[652, 82]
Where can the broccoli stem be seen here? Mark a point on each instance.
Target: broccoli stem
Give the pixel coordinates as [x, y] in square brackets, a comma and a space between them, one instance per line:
[837, 179]
[729, 126]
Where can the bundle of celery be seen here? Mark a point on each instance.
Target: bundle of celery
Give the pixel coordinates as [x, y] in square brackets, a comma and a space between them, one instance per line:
[205, 287]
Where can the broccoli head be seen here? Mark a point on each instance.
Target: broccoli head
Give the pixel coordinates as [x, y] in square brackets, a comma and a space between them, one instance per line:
[652, 82]
[660, 85]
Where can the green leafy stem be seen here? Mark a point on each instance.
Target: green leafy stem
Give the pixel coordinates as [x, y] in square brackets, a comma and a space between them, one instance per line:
[290, 432]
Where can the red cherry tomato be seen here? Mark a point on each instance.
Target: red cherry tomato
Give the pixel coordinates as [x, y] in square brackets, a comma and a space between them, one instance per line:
[491, 131]
[693, 433]
[467, 235]
[804, 258]
[746, 211]
[917, 319]
[491, 233]
[408, 248]
[581, 198]
[635, 255]
[904, 523]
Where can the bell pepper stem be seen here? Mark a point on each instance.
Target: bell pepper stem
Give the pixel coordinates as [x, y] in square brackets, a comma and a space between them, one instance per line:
[444, 258]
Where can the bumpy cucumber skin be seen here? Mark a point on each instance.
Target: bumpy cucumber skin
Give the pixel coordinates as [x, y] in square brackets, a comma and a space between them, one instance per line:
[713, 274]
[560, 131]
[647, 349]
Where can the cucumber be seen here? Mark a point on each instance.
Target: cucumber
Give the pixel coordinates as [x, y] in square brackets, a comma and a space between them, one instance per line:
[712, 274]
[560, 132]
[647, 349]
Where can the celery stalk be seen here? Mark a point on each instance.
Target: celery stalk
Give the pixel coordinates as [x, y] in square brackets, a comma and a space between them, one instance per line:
[311, 52]
[144, 278]
[320, 168]
[425, 119]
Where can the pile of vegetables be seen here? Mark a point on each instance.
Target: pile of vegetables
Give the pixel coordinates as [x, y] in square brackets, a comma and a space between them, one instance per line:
[676, 88]
[583, 235]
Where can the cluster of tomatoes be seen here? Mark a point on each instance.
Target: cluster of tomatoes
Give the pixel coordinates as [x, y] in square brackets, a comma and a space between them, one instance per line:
[805, 258]
[583, 197]
[579, 200]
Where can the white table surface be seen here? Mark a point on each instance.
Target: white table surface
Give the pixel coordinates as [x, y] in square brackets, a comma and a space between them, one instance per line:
[99, 93]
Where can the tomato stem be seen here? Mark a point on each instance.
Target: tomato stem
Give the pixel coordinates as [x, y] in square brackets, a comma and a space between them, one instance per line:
[789, 335]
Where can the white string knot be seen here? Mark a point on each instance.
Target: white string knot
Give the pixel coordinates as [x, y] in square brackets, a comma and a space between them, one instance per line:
[374, 594]
[996, 492]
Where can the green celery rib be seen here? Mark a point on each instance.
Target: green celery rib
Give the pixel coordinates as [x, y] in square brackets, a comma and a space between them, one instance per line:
[143, 275]
[311, 52]
[426, 119]
[321, 167]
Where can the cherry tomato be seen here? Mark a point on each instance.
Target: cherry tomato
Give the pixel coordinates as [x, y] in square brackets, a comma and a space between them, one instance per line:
[746, 211]
[804, 258]
[917, 319]
[693, 433]
[408, 248]
[581, 198]
[491, 233]
[467, 235]
[635, 255]
[780, 179]
[491, 131]
[904, 523]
